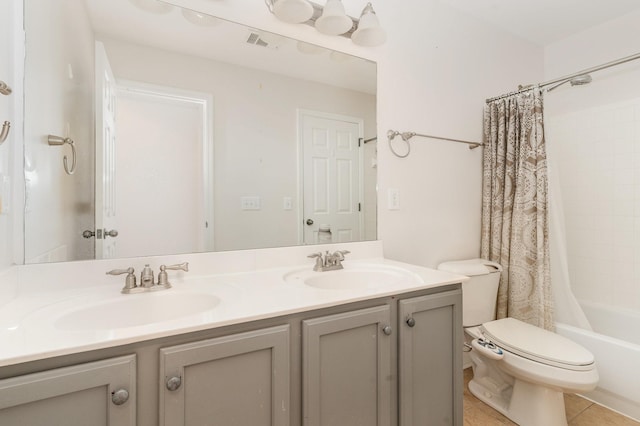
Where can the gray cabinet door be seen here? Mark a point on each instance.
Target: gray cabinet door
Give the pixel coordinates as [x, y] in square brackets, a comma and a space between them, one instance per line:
[346, 372]
[236, 380]
[430, 359]
[92, 394]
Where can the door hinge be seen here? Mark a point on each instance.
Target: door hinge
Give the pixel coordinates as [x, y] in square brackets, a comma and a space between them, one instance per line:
[359, 207]
[360, 142]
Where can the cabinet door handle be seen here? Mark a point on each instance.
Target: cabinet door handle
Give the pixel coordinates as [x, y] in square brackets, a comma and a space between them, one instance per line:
[387, 330]
[174, 383]
[120, 396]
[411, 322]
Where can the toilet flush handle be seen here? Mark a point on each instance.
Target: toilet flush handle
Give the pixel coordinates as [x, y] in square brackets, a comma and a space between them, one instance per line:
[487, 348]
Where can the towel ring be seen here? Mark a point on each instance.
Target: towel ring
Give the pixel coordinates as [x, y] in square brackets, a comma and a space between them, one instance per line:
[57, 141]
[5, 131]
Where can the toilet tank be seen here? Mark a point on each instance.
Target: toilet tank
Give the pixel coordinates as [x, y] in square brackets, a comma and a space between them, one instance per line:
[480, 293]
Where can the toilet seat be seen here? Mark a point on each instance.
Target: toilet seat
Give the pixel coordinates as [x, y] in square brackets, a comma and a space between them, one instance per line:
[537, 344]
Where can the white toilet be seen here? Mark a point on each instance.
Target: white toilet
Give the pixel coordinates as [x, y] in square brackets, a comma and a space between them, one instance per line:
[520, 370]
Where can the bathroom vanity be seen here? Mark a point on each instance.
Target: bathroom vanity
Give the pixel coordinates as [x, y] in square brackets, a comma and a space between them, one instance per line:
[277, 349]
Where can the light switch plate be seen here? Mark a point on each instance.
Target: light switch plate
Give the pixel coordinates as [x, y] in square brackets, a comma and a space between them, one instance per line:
[250, 203]
[393, 199]
[287, 203]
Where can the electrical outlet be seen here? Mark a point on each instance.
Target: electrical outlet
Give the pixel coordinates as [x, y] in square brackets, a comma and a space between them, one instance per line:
[393, 199]
[250, 203]
[287, 203]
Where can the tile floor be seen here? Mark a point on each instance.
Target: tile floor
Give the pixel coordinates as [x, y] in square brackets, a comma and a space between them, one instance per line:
[580, 412]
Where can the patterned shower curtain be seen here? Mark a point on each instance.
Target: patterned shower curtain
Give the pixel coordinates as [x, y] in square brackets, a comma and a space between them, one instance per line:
[515, 219]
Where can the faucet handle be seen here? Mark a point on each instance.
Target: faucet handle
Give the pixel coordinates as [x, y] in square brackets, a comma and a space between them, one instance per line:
[342, 253]
[130, 279]
[319, 262]
[184, 266]
[163, 277]
[129, 270]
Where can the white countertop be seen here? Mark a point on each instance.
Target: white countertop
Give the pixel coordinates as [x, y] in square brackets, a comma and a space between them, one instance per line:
[35, 324]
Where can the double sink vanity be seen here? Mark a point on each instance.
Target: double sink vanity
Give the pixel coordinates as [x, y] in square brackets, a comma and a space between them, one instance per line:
[244, 338]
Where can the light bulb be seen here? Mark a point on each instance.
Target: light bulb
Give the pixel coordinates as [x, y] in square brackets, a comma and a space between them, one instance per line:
[293, 11]
[369, 32]
[334, 20]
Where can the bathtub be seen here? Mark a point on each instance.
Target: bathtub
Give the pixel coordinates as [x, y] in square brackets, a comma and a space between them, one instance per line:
[615, 343]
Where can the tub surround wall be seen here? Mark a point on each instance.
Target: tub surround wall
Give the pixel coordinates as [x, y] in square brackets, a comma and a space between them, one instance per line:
[595, 130]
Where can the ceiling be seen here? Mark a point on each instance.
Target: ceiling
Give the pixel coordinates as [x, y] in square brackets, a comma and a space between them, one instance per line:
[545, 21]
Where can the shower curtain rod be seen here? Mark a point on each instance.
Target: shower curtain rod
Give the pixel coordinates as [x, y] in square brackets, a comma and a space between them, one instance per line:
[569, 77]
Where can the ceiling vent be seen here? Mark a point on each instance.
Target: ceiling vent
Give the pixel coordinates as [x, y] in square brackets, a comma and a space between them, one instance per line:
[264, 40]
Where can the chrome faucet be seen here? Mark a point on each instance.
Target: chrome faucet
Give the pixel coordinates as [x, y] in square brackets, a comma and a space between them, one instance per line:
[146, 278]
[330, 262]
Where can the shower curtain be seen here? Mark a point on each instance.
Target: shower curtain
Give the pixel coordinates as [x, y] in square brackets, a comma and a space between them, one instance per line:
[515, 217]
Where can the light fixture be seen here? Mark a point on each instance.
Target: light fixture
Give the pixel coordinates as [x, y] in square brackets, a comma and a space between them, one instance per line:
[334, 20]
[331, 19]
[308, 48]
[153, 6]
[293, 11]
[369, 32]
[200, 19]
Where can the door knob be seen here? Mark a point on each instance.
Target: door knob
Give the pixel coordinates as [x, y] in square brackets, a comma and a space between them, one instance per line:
[411, 322]
[112, 233]
[88, 233]
[309, 222]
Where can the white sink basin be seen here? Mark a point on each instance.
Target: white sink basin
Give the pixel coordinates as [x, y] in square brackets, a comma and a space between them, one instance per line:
[136, 310]
[354, 277]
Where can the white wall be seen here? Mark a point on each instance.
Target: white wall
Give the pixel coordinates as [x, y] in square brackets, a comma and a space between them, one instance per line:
[434, 73]
[60, 59]
[595, 131]
[255, 135]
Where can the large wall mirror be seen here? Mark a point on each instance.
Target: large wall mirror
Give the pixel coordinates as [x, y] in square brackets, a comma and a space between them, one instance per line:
[177, 132]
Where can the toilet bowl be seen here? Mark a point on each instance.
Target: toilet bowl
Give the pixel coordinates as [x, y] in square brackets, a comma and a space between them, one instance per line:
[520, 370]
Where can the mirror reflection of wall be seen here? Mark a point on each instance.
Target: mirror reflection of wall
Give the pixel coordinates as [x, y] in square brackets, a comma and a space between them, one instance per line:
[171, 192]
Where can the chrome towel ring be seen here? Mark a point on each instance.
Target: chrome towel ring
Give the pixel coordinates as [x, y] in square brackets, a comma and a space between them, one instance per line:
[6, 126]
[57, 141]
[5, 131]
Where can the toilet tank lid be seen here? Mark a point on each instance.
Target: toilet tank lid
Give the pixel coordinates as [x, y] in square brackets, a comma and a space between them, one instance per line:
[471, 267]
